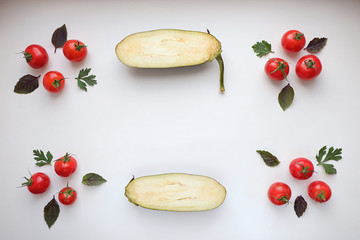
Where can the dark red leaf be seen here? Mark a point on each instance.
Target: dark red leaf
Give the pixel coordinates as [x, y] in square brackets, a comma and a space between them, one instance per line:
[27, 84]
[59, 37]
[300, 206]
[316, 45]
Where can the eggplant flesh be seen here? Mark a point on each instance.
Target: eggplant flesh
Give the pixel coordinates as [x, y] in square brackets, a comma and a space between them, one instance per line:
[167, 48]
[176, 192]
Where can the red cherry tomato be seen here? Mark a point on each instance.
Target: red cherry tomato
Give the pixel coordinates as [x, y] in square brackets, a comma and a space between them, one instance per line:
[67, 195]
[277, 68]
[65, 166]
[74, 50]
[53, 81]
[279, 193]
[301, 168]
[308, 67]
[319, 191]
[36, 56]
[38, 183]
[293, 41]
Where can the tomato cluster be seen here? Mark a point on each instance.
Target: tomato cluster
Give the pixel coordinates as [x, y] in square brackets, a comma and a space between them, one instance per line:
[307, 67]
[40, 182]
[279, 193]
[37, 57]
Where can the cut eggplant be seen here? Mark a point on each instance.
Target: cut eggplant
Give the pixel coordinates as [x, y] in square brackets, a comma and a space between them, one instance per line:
[168, 48]
[176, 192]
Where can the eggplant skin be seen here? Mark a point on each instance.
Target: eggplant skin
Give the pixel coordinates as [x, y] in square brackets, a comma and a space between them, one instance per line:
[180, 192]
[167, 48]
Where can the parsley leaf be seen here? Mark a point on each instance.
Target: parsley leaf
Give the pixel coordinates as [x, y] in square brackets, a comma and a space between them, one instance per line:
[262, 48]
[331, 155]
[41, 158]
[85, 79]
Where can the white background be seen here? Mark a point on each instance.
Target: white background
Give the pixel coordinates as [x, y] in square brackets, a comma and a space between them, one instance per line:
[142, 122]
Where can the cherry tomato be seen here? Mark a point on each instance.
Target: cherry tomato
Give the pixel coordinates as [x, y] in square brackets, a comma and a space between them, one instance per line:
[293, 41]
[308, 67]
[36, 56]
[65, 166]
[67, 195]
[301, 168]
[38, 183]
[74, 50]
[53, 81]
[319, 191]
[277, 68]
[279, 193]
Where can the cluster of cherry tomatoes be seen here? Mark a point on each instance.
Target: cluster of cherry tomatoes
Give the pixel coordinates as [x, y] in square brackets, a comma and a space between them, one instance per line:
[308, 67]
[37, 57]
[40, 182]
[279, 193]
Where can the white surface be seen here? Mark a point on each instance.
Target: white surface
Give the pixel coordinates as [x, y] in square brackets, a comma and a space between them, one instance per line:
[142, 122]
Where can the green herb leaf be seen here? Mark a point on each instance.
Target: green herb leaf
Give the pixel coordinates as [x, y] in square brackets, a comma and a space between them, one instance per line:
[300, 206]
[331, 155]
[51, 212]
[27, 84]
[59, 37]
[286, 96]
[41, 158]
[262, 48]
[269, 159]
[85, 79]
[93, 179]
[316, 45]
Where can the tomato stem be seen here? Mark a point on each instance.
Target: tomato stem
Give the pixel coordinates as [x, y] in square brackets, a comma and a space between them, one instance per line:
[57, 83]
[27, 56]
[304, 169]
[281, 67]
[79, 46]
[321, 196]
[298, 36]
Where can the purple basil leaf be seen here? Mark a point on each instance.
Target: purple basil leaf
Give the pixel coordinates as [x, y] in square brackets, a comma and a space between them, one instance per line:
[300, 206]
[59, 37]
[27, 84]
[316, 45]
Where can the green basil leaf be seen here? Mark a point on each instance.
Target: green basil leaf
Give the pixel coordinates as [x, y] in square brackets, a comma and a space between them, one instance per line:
[286, 97]
[51, 212]
[93, 179]
[269, 159]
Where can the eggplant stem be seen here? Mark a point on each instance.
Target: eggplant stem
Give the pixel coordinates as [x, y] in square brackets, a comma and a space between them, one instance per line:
[221, 66]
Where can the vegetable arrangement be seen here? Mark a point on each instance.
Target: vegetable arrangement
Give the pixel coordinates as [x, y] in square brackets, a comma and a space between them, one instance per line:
[168, 48]
[64, 167]
[307, 68]
[54, 81]
[279, 193]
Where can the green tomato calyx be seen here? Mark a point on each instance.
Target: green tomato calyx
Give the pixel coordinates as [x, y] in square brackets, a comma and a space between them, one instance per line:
[298, 36]
[27, 56]
[320, 196]
[79, 46]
